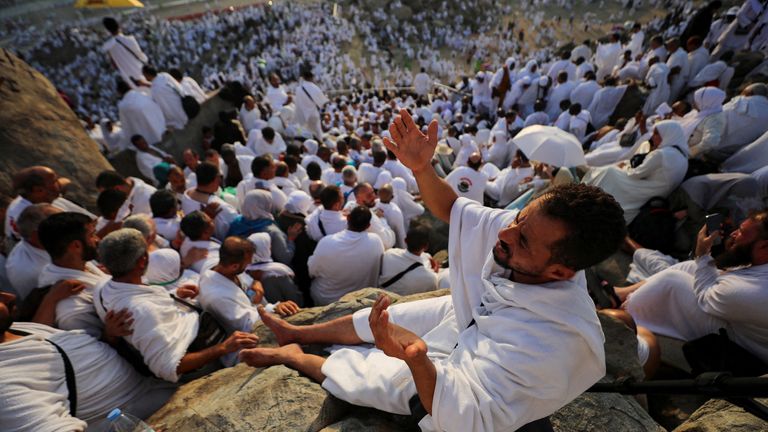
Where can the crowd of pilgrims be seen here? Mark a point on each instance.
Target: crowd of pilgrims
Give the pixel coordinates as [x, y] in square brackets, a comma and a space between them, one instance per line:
[292, 200]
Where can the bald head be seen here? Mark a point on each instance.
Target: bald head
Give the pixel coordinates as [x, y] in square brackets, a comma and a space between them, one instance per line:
[756, 89]
[235, 250]
[475, 161]
[38, 184]
[386, 193]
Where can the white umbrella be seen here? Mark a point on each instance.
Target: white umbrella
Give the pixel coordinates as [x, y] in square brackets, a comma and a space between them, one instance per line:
[550, 145]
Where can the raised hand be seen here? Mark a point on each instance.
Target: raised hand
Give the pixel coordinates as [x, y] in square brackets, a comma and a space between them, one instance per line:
[412, 148]
[394, 340]
[65, 288]
[189, 290]
[117, 324]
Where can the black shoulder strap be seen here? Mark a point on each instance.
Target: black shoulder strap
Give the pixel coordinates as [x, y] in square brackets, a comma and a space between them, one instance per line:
[310, 97]
[136, 56]
[69, 373]
[320, 225]
[398, 276]
[186, 303]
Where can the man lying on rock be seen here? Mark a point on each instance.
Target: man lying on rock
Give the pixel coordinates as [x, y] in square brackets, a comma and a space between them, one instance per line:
[517, 339]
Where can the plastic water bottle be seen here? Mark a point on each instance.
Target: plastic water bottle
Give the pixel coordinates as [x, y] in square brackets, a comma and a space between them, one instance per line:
[123, 422]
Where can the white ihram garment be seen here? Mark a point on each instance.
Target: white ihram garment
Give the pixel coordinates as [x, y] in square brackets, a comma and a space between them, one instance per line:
[76, 312]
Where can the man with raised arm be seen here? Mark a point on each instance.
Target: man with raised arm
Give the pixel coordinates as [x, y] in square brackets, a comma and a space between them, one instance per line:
[517, 339]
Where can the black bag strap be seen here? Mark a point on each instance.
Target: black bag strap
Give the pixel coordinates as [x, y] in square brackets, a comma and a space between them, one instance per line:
[194, 307]
[136, 56]
[320, 225]
[69, 373]
[399, 276]
[310, 98]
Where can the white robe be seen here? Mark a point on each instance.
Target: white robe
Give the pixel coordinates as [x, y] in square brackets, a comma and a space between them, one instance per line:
[746, 118]
[420, 279]
[406, 202]
[35, 392]
[249, 119]
[163, 329]
[190, 87]
[167, 92]
[76, 312]
[659, 174]
[138, 200]
[604, 104]
[227, 301]
[560, 93]
[140, 115]
[678, 58]
[750, 158]
[607, 57]
[491, 379]
[505, 188]
[333, 222]
[394, 217]
[23, 267]
[468, 183]
[422, 84]
[361, 254]
[276, 97]
[584, 93]
[379, 226]
[202, 264]
[223, 218]
[656, 78]
[692, 299]
[259, 146]
[127, 56]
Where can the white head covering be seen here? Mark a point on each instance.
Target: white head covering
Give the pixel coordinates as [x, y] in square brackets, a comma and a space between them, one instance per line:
[383, 178]
[299, 202]
[311, 146]
[672, 135]
[163, 268]
[708, 101]
[258, 205]
[663, 109]
[262, 257]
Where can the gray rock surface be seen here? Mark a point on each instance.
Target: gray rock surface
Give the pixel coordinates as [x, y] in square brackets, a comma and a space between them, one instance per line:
[38, 128]
[279, 399]
[718, 415]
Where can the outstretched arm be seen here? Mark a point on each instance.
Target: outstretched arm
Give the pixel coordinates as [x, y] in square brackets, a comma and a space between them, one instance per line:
[415, 150]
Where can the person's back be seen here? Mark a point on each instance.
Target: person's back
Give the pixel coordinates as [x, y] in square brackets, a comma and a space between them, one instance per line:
[408, 271]
[33, 378]
[125, 52]
[346, 261]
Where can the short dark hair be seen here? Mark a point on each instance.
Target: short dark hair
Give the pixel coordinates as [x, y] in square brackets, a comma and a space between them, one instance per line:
[594, 221]
[135, 138]
[176, 74]
[163, 203]
[268, 133]
[58, 230]
[329, 196]
[574, 109]
[259, 164]
[379, 157]
[109, 201]
[281, 169]
[148, 70]
[234, 250]
[206, 173]
[193, 225]
[109, 180]
[417, 238]
[359, 219]
[314, 172]
[111, 24]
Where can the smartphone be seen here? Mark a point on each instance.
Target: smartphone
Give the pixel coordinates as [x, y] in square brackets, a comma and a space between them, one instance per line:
[714, 222]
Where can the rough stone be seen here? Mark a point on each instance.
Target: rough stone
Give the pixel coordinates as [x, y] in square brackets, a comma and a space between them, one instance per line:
[718, 415]
[38, 128]
[279, 399]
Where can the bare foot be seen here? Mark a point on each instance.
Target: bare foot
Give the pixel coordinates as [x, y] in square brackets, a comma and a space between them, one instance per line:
[263, 357]
[284, 333]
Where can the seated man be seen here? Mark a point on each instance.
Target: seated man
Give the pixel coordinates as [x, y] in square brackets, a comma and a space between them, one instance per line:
[409, 271]
[34, 381]
[199, 249]
[206, 197]
[327, 219]
[137, 190]
[230, 294]
[167, 330]
[365, 196]
[71, 241]
[28, 257]
[517, 339]
[165, 213]
[346, 261]
[695, 298]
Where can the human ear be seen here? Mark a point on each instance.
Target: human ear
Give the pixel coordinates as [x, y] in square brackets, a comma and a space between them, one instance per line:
[559, 272]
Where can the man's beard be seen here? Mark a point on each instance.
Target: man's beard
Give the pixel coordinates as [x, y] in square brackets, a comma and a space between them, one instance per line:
[89, 252]
[735, 256]
[502, 262]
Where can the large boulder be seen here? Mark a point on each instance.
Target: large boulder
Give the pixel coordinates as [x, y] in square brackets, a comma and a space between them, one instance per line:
[719, 415]
[279, 399]
[38, 128]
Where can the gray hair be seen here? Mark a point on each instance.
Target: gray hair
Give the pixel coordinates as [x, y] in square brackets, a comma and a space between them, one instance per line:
[32, 216]
[142, 223]
[121, 250]
[758, 89]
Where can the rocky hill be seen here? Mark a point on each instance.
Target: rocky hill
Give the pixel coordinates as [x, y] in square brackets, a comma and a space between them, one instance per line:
[38, 128]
